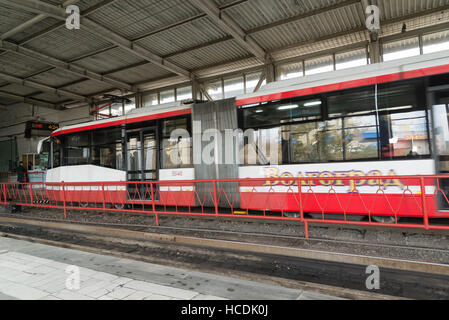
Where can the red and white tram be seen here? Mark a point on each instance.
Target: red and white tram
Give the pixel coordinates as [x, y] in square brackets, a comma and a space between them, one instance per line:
[386, 119]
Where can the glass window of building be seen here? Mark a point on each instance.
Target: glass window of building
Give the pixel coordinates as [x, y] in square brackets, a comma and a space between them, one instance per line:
[435, 42]
[184, 93]
[401, 49]
[234, 87]
[131, 105]
[351, 59]
[151, 99]
[289, 71]
[319, 65]
[167, 96]
[252, 80]
[116, 109]
[215, 90]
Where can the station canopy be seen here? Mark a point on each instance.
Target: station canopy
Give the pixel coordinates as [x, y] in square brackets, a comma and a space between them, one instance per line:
[125, 47]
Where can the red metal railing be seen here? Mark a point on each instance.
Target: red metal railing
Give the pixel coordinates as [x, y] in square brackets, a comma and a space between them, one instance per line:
[364, 201]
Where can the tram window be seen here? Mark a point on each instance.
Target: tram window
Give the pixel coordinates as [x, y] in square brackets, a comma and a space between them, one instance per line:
[346, 103]
[76, 149]
[56, 155]
[176, 152]
[303, 143]
[404, 135]
[106, 148]
[169, 126]
[291, 110]
[330, 141]
[361, 138]
[262, 147]
[402, 96]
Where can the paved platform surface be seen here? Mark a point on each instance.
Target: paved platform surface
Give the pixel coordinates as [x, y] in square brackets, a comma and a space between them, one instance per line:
[31, 271]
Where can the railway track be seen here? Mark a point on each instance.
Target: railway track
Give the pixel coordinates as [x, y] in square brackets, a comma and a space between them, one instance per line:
[281, 264]
[433, 249]
[226, 234]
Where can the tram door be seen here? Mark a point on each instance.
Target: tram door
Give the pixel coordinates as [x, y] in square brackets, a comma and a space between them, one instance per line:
[440, 115]
[141, 161]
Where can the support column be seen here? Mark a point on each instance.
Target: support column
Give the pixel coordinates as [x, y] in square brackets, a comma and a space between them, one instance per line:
[196, 89]
[270, 71]
[375, 53]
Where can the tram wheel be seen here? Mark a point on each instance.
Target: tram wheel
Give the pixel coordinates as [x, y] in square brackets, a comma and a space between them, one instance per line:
[119, 206]
[84, 204]
[384, 219]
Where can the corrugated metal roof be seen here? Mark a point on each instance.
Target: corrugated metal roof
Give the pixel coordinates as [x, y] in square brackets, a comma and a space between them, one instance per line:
[310, 28]
[191, 34]
[185, 36]
[107, 61]
[19, 66]
[134, 18]
[67, 44]
[18, 89]
[224, 51]
[11, 17]
[87, 87]
[55, 78]
[140, 73]
[50, 97]
[256, 13]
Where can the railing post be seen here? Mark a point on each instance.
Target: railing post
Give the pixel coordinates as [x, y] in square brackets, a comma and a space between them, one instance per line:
[301, 208]
[424, 205]
[214, 185]
[306, 229]
[63, 199]
[5, 195]
[153, 204]
[103, 196]
[31, 193]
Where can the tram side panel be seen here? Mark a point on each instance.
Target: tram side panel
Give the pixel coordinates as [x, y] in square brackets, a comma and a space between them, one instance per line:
[77, 190]
[175, 190]
[383, 197]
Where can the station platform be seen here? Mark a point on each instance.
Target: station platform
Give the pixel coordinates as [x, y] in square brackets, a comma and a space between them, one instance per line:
[32, 271]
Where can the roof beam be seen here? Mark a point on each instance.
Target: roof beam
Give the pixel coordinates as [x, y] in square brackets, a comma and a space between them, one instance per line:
[17, 98]
[227, 24]
[52, 28]
[69, 67]
[31, 22]
[42, 87]
[269, 26]
[107, 73]
[188, 20]
[106, 34]
[133, 48]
